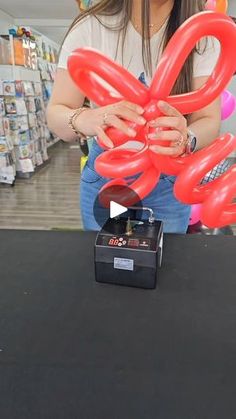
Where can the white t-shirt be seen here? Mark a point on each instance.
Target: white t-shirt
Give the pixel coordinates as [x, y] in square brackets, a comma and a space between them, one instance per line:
[91, 33]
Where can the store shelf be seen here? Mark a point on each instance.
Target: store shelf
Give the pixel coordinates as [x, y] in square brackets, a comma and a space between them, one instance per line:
[28, 175]
[26, 86]
[9, 72]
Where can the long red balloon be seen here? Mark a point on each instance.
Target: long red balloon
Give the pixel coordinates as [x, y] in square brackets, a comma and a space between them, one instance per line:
[86, 64]
[216, 196]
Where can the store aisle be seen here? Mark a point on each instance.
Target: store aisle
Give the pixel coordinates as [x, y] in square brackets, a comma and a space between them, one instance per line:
[49, 200]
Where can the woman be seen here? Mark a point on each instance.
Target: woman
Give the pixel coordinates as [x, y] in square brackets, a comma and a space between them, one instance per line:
[134, 33]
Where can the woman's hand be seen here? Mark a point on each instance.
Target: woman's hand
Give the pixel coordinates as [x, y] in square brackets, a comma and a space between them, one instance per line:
[171, 127]
[93, 122]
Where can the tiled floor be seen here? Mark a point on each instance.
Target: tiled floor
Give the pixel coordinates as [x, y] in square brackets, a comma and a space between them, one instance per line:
[49, 199]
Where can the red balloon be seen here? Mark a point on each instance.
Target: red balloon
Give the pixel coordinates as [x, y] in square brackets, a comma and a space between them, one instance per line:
[187, 186]
[136, 191]
[86, 64]
[216, 196]
[218, 209]
[123, 162]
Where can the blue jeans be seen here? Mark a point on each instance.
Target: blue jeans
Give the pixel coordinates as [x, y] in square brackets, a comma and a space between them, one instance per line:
[174, 214]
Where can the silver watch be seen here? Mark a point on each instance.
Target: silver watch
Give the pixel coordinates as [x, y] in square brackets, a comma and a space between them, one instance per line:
[191, 143]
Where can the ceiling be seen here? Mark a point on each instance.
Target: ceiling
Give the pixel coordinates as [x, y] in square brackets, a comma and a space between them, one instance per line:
[40, 9]
[56, 33]
[50, 17]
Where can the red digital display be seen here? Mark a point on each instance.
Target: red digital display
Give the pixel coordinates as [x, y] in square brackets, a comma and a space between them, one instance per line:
[125, 242]
[113, 242]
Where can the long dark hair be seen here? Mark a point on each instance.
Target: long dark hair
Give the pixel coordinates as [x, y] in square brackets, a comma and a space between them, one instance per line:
[182, 10]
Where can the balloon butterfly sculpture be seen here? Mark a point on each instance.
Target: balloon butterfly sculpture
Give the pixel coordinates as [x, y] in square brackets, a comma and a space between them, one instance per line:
[217, 196]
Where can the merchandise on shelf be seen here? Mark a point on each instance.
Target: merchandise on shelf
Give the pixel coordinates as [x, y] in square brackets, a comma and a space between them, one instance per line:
[45, 51]
[5, 50]
[27, 69]
[24, 135]
[7, 161]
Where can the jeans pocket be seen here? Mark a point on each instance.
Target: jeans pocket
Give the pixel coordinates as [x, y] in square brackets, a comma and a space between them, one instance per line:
[89, 175]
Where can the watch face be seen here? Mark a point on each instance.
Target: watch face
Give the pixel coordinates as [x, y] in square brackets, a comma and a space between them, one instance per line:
[192, 141]
[193, 144]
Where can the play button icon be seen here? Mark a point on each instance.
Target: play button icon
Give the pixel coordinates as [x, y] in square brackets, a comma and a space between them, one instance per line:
[114, 202]
[116, 209]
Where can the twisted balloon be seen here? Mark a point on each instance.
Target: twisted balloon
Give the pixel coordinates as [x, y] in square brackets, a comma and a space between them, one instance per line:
[86, 64]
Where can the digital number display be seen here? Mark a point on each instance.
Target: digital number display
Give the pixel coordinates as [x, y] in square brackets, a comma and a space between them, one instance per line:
[113, 242]
[126, 242]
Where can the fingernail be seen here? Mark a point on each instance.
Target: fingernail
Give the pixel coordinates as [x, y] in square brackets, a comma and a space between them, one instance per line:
[153, 148]
[140, 110]
[162, 104]
[109, 144]
[131, 132]
[155, 125]
[141, 121]
[152, 123]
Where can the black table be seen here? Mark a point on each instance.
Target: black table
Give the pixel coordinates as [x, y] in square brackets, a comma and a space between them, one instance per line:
[75, 349]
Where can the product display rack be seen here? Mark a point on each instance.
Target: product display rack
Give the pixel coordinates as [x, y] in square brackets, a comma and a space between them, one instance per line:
[24, 135]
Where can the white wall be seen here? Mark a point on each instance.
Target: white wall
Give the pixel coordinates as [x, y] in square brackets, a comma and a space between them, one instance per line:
[232, 8]
[6, 22]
